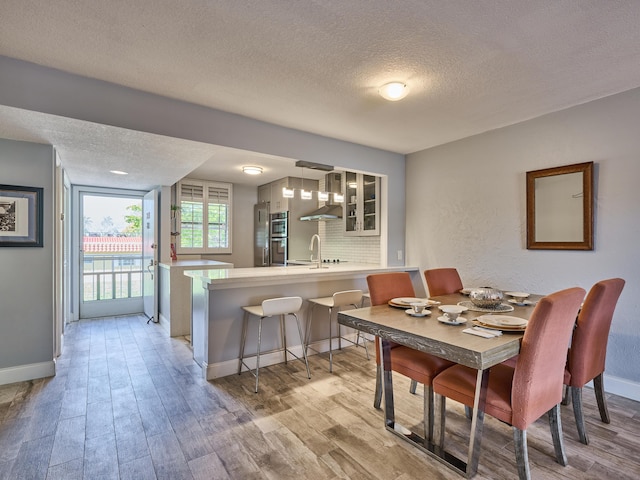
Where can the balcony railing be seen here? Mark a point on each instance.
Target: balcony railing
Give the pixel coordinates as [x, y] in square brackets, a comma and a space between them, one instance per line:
[108, 277]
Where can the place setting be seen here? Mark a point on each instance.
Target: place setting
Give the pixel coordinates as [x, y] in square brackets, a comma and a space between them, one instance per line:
[451, 314]
[504, 323]
[519, 298]
[418, 309]
[405, 302]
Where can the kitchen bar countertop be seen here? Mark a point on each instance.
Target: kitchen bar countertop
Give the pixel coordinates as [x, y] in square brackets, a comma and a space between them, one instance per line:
[218, 295]
[245, 277]
[193, 264]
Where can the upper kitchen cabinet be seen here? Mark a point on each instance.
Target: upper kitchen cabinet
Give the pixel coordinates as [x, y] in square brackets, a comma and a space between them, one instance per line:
[362, 200]
[264, 193]
[272, 193]
[278, 202]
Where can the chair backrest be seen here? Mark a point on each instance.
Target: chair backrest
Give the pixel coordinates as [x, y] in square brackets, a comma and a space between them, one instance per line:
[280, 306]
[539, 373]
[385, 286]
[442, 281]
[589, 344]
[347, 297]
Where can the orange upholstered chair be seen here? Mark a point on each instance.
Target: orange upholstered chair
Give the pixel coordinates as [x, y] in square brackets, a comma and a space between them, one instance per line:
[418, 366]
[519, 396]
[588, 350]
[442, 281]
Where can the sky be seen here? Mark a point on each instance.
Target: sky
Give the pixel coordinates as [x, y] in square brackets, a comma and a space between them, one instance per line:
[97, 208]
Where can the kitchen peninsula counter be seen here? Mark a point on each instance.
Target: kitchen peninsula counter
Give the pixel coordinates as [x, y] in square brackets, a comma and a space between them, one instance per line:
[219, 294]
[175, 293]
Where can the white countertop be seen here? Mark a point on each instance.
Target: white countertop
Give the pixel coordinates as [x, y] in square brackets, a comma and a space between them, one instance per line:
[245, 277]
[195, 264]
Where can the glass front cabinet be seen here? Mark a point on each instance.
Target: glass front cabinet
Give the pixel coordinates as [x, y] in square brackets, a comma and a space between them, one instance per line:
[362, 204]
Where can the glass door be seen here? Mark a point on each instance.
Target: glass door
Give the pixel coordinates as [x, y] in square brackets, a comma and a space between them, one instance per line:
[111, 269]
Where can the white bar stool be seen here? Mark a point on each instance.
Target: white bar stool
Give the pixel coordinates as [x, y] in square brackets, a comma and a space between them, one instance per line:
[269, 308]
[335, 302]
[366, 297]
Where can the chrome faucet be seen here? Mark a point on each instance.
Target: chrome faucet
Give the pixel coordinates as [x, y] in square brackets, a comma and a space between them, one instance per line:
[319, 257]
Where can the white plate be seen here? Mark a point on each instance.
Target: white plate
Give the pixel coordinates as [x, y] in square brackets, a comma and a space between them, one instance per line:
[459, 320]
[502, 321]
[521, 304]
[517, 294]
[413, 314]
[407, 300]
[462, 308]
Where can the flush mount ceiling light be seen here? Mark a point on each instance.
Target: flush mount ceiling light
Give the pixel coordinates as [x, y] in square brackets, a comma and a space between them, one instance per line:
[118, 172]
[393, 91]
[252, 170]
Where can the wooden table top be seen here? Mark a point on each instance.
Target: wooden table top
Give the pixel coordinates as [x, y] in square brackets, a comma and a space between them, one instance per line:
[429, 335]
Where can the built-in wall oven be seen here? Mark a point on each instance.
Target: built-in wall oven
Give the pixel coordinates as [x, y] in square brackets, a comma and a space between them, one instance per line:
[278, 222]
[278, 238]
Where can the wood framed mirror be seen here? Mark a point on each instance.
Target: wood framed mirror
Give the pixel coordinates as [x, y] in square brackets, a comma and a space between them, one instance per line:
[560, 208]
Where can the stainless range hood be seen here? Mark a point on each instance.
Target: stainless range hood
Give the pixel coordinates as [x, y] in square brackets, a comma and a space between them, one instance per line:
[330, 211]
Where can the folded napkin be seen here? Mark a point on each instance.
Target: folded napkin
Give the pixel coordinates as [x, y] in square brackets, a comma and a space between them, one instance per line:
[482, 332]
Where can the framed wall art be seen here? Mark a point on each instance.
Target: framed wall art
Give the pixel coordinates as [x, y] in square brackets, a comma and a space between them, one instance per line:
[20, 216]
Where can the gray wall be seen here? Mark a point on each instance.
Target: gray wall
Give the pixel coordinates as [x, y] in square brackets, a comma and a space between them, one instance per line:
[26, 273]
[471, 215]
[32, 87]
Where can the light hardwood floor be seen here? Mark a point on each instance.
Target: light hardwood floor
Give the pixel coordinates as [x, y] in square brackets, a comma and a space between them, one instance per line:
[128, 402]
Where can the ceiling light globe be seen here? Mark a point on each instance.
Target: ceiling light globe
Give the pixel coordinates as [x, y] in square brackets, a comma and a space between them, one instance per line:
[394, 91]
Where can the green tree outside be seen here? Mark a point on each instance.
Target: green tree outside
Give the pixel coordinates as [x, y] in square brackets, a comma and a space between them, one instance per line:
[134, 221]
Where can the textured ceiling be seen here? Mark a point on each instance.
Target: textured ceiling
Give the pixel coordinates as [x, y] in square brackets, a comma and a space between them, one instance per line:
[316, 65]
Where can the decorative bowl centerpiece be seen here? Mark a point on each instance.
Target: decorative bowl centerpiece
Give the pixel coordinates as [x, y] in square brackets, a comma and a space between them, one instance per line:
[486, 297]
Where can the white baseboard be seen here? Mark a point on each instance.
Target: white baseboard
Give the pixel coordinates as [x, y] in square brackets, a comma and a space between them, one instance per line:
[621, 386]
[22, 373]
[230, 367]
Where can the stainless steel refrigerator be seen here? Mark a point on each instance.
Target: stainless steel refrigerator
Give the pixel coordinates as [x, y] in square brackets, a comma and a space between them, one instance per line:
[261, 235]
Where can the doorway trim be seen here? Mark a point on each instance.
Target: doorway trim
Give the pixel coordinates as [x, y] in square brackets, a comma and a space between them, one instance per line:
[77, 230]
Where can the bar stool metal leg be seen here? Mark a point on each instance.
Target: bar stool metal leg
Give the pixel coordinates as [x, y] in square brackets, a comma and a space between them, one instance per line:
[331, 341]
[244, 339]
[258, 354]
[304, 350]
[283, 332]
[307, 333]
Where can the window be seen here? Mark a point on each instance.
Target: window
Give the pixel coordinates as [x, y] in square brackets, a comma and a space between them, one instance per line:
[205, 216]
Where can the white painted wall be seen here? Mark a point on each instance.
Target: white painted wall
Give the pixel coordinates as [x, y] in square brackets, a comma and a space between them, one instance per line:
[466, 206]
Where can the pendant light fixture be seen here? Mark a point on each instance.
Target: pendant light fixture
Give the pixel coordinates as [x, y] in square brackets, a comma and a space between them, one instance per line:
[304, 195]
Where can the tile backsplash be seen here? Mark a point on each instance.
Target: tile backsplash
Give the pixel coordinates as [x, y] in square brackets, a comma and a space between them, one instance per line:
[354, 249]
[335, 245]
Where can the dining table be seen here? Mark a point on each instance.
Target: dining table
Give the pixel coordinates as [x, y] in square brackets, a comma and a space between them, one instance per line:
[393, 324]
